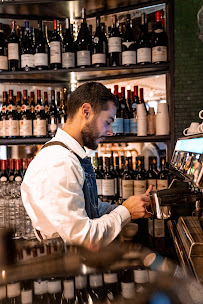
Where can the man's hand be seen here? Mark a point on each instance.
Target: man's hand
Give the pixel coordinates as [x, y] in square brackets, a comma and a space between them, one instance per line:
[138, 205]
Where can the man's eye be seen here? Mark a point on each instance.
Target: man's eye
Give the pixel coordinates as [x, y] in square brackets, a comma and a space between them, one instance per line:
[108, 123]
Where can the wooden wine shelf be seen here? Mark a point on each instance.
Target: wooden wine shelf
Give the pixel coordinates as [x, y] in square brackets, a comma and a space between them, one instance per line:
[109, 139]
[86, 74]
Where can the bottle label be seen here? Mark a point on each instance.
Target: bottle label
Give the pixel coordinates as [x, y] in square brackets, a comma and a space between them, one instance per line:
[3, 179]
[108, 187]
[13, 127]
[133, 125]
[3, 63]
[39, 108]
[83, 58]
[68, 289]
[25, 127]
[52, 126]
[13, 290]
[4, 127]
[159, 54]
[2, 292]
[13, 51]
[11, 108]
[127, 188]
[116, 187]
[99, 186]
[41, 59]
[81, 281]
[55, 52]
[99, 58]
[68, 60]
[27, 60]
[140, 187]
[151, 182]
[117, 126]
[115, 45]
[141, 276]
[46, 109]
[128, 290]
[126, 125]
[18, 179]
[26, 296]
[40, 287]
[159, 31]
[4, 109]
[96, 280]
[128, 57]
[54, 287]
[162, 184]
[110, 278]
[39, 126]
[143, 55]
[25, 108]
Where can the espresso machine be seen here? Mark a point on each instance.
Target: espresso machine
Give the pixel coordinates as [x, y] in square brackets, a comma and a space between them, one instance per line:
[184, 193]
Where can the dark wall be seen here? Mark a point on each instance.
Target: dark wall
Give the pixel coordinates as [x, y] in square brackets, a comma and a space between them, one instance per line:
[188, 60]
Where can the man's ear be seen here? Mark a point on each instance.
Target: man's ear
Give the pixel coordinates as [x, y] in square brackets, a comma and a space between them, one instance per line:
[86, 110]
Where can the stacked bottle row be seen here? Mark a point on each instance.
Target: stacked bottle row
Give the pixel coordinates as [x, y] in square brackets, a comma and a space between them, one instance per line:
[117, 183]
[33, 49]
[133, 117]
[12, 211]
[21, 117]
[109, 287]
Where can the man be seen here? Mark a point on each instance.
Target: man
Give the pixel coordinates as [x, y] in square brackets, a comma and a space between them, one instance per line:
[59, 189]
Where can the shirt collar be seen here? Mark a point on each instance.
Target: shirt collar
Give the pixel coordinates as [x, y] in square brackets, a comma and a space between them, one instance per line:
[70, 142]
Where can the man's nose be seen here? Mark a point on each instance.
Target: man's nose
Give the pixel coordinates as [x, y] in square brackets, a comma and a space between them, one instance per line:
[109, 132]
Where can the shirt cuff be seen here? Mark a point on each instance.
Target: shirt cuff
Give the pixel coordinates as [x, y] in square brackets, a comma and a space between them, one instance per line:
[124, 215]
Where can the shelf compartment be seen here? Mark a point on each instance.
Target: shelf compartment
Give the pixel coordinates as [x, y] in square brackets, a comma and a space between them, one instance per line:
[48, 9]
[86, 74]
[109, 139]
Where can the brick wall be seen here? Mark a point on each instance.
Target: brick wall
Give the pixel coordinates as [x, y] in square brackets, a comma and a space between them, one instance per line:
[188, 60]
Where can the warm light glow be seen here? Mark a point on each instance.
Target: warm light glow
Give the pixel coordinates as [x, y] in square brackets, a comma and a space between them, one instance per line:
[151, 94]
[73, 81]
[3, 274]
[128, 87]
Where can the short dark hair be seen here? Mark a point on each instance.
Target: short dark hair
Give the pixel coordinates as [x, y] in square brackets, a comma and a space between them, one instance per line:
[95, 93]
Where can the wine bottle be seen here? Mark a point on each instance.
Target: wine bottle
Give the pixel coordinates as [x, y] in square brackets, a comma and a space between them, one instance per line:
[128, 285]
[128, 45]
[18, 102]
[26, 117]
[121, 176]
[140, 184]
[152, 172]
[13, 293]
[126, 113]
[3, 51]
[101, 171]
[98, 176]
[52, 120]
[54, 291]
[97, 292]
[11, 170]
[13, 49]
[117, 125]
[41, 50]
[32, 104]
[114, 44]
[17, 177]
[12, 118]
[68, 296]
[108, 183]
[162, 180]
[3, 115]
[46, 103]
[99, 46]
[159, 41]
[143, 44]
[27, 57]
[39, 122]
[61, 113]
[40, 291]
[141, 99]
[141, 278]
[112, 287]
[82, 295]
[133, 116]
[4, 173]
[27, 292]
[68, 53]
[55, 48]
[84, 44]
[127, 181]
[115, 177]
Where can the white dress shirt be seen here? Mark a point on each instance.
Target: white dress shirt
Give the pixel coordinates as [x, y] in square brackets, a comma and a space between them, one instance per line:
[53, 198]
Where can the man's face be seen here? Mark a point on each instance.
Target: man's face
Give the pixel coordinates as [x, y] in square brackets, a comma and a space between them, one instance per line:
[98, 127]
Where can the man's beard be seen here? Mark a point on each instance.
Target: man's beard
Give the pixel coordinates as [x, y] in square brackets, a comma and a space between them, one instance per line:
[90, 135]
